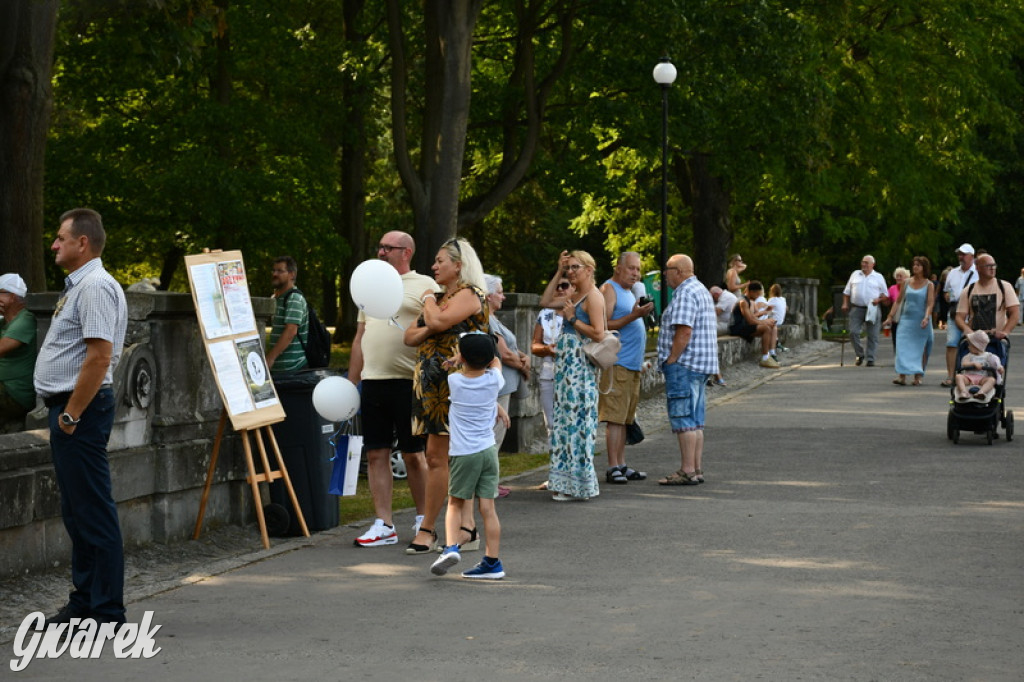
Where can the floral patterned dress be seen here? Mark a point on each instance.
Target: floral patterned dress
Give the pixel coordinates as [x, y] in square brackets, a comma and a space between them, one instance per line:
[430, 378]
[574, 423]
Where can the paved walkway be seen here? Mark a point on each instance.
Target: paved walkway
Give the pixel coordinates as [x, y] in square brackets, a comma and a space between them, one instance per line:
[840, 535]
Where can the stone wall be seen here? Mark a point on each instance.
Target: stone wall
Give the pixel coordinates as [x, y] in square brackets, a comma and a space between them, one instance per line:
[168, 407]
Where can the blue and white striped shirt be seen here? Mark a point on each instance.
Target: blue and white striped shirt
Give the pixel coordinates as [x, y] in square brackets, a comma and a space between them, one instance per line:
[92, 307]
[691, 306]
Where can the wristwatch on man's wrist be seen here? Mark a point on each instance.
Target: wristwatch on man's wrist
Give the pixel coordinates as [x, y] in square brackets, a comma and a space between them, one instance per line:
[67, 420]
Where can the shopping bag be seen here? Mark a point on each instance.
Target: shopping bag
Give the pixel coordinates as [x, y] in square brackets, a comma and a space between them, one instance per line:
[634, 434]
[348, 450]
[871, 316]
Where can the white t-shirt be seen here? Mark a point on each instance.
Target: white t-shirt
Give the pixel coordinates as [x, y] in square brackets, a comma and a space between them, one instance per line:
[778, 309]
[723, 310]
[551, 327]
[760, 307]
[473, 411]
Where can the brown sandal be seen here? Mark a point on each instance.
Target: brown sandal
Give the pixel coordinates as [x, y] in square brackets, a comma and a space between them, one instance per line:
[679, 478]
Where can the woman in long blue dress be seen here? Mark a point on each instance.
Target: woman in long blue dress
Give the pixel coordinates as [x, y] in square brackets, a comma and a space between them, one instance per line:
[574, 421]
[914, 333]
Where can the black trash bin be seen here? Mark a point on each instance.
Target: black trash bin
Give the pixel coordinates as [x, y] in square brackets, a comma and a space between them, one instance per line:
[303, 439]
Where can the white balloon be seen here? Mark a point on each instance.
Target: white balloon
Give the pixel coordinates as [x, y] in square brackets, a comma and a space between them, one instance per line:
[336, 399]
[376, 287]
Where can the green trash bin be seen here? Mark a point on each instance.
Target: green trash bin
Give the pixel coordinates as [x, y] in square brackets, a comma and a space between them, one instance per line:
[652, 282]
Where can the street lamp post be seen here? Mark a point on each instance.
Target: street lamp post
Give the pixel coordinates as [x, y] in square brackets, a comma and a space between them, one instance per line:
[665, 76]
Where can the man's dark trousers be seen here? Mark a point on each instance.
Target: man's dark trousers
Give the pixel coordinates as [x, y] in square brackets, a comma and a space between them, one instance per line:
[89, 511]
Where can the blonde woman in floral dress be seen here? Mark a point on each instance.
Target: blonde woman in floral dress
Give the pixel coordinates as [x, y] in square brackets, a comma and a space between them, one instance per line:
[460, 307]
[574, 429]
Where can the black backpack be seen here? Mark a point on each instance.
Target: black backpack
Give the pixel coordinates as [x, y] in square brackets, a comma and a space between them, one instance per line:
[318, 347]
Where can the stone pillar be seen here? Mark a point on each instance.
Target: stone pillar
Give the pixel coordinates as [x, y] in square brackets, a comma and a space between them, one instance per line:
[802, 305]
[527, 432]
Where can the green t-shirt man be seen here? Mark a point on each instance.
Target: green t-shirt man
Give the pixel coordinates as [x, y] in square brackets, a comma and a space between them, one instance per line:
[17, 367]
[291, 309]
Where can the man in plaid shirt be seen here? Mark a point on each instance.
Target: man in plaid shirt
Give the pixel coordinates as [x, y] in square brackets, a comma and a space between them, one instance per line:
[688, 356]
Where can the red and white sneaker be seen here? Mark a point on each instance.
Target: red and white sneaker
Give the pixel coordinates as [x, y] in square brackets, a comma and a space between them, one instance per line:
[380, 534]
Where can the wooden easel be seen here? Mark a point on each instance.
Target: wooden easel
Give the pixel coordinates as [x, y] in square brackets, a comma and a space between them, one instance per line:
[253, 479]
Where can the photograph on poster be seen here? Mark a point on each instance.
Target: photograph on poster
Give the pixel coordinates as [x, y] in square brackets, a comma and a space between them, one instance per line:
[254, 365]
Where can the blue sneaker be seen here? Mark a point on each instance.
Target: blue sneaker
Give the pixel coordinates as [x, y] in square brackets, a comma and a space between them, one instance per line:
[485, 571]
[449, 557]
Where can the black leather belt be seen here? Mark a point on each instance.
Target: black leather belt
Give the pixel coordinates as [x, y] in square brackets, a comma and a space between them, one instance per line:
[59, 399]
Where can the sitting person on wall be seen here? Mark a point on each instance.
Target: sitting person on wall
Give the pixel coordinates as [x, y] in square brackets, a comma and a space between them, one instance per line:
[17, 354]
[777, 308]
[724, 303]
[746, 325]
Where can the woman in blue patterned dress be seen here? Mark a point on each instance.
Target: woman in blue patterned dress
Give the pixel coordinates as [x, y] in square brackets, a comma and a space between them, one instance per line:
[572, 475]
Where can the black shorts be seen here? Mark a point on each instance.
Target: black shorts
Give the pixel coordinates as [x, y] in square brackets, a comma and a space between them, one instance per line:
[387, 412]
[746, 331]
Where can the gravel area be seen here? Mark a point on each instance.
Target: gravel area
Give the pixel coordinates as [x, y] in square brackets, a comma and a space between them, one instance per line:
[155, 568]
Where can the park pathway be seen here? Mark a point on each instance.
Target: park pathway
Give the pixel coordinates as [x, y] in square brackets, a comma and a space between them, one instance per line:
[840, 536]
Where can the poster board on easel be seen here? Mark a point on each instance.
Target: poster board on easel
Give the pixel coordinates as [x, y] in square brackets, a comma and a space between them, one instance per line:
[234, 346]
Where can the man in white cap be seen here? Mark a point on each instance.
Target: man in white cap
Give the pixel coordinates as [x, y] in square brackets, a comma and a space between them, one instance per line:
[956, 281]
[17, 354]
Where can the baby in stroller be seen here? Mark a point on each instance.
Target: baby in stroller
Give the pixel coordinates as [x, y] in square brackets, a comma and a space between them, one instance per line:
[980, 371]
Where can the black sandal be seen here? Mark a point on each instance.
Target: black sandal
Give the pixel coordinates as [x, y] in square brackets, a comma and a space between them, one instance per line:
[474, 540]
[414, 548]
[633, 474]
[616, 475]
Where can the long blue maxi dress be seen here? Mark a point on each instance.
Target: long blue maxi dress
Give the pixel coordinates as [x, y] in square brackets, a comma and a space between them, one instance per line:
[912, 342]
[575, 417]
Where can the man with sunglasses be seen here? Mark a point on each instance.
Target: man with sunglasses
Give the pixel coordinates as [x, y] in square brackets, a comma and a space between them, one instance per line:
[988, 305]
[384, 364]
[617, 407]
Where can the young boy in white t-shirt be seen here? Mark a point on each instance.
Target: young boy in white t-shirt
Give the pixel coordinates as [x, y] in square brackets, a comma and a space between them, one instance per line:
[473, 470]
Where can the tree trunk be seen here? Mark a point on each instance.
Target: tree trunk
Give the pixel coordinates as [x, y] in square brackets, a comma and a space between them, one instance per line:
[27, 32]
[351, 221]
[712, 226]
[434, 187]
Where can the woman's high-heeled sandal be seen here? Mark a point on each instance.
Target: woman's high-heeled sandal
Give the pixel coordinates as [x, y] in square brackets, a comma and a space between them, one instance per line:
[474, 540]
[414, 548]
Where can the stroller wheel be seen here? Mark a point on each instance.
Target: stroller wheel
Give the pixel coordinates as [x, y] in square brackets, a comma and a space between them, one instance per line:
[950, 424]
[956, 436]
[1008, 425]
[988, 437]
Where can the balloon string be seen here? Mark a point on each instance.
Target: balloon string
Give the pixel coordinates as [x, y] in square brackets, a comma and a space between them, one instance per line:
[394, 321]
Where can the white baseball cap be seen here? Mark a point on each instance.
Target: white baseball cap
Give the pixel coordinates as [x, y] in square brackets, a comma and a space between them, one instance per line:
[14, 284]
[965, 248]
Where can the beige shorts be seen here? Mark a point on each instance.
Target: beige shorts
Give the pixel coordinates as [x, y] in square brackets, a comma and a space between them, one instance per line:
[618, 406]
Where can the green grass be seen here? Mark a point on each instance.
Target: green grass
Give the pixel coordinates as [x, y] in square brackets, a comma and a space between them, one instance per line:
[360, 505]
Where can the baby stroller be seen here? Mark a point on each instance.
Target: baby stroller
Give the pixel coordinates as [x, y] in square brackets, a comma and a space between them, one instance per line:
[980, 417]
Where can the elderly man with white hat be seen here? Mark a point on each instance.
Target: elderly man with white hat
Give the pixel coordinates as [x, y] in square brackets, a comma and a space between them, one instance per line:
[957, 280]
[17, 354]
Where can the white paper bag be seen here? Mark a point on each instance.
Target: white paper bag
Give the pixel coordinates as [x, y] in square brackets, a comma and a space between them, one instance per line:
[348, 451]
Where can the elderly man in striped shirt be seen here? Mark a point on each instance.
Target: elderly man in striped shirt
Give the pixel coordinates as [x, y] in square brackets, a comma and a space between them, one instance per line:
[688, 356]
